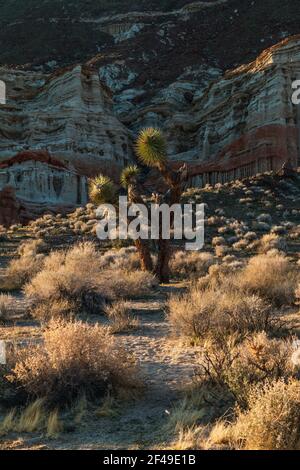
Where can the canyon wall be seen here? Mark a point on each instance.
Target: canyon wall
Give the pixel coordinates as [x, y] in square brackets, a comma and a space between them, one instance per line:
[69, 114]
[231, 125]
[32, 183]
[224, 125]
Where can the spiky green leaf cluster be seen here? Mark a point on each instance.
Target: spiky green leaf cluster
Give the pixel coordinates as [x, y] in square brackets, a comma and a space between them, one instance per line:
[151, 147]
[102, 190]
[128, 174]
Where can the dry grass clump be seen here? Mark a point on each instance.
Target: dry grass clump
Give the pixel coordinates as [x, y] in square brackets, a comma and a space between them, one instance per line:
[76, 277]
[74, 359]
[272, 422]
[271, 241]
[236, 366]
[21, 270]
[120, 316]
[270, 276]
[33, 418]
[32, 247]
[54, 309]
[185, 264]
[214, 312]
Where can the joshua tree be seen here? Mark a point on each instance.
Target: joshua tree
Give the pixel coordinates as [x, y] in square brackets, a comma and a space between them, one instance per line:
[151, 150]
[102, 190]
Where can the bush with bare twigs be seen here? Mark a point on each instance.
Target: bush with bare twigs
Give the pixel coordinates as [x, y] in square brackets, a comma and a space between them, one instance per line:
[271, 423]
[189, 264]
[272, 276]
[74, 359]
[120, 317]
[237, 366]
[78, 277]
[212, 312]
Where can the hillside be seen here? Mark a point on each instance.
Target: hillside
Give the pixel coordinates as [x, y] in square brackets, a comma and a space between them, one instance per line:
[186, 32]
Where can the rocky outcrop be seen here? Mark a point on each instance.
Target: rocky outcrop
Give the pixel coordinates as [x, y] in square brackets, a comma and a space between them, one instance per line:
[231, 126]
[69, 114]
[32, 183]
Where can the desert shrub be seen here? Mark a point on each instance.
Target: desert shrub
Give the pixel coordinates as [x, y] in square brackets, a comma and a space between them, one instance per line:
[273, 419]
[124, 258]
[120, 316]
[216, 241]
[222, 250]
[54, 309]
[74, 359]
[185, 264]
[271, 241]
[69, 276]
[241, 245]
[237, 366]
[127, 285]
[32, 247]
[77, 276]
[220, 276]
[21, 270]
[271, 276]
[212, 312]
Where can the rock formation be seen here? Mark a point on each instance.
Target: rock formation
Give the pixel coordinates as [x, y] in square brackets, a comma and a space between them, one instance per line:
[37, 183]
[160, 67]
[232, 126]
[69, 114]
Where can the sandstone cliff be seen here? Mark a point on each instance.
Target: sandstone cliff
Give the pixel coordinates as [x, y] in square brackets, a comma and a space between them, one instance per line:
[69, 114]
[226, 125]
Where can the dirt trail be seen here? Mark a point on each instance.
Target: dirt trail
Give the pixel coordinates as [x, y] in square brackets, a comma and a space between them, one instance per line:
[164, 369]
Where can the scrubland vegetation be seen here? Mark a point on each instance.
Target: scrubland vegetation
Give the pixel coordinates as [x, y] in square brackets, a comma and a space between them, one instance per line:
[218, 348]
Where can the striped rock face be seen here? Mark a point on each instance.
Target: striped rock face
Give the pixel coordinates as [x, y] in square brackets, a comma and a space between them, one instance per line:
[68, 114]
[239, 124]
[245, 123]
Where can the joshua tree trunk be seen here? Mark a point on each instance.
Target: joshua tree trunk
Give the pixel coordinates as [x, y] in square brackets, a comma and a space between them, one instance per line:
[144, 254]
[174, 180]
[142, 246]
